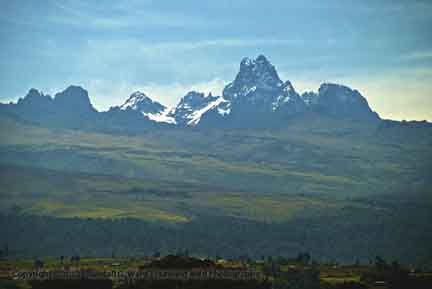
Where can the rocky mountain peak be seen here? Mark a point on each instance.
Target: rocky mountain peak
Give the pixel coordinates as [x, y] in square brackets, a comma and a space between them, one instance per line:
[254, 74]
[137, 96]
[35, 98]
[194, 99]
[341, 100]
[258, 87]
[255, 77]
[256, 98]
[139, 101]
[309, 97]
[74, 98]
[193, 96]
[153, 110]
[193, 105]
[338, 93]
[33, 92]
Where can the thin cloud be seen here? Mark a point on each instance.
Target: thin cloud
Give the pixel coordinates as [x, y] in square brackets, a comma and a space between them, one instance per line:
[227, 42]
[75, 13]
[418, 55]
[161, 48]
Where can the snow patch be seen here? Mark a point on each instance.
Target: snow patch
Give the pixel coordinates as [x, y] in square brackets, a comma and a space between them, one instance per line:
[280, 99]
[163, 116]
[195, 117]
[133, 100]
[224, 109]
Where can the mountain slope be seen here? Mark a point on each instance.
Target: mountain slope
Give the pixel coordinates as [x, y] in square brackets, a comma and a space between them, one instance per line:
[193, 106]
[339, 101]
[256, 98]
[70, 108]
[371, 183]
[151, 110]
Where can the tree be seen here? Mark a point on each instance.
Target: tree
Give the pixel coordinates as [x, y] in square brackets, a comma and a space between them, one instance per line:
[303, 258]
[380, 263]
[38, 264]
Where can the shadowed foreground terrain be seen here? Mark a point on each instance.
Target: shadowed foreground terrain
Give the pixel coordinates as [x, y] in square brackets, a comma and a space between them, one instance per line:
[279, 273]
[342, 192]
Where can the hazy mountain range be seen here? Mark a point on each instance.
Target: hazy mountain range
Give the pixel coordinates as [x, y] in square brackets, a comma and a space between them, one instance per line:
[256, 98]
[258, 170]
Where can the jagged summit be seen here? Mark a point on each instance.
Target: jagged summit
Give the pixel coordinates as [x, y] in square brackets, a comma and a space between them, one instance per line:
[153, 110]
[254, 74]
[256, 98]
[74, 91]
[257, 92]
[134, 99]
[35, 97]
[33, 92]
[193, 106]
[341, 100]
[74, 98]
[141, 102]
[195, 99]
[260, 59]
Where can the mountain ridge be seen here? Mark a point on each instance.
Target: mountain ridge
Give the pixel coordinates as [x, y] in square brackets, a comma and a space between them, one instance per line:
[256, 98]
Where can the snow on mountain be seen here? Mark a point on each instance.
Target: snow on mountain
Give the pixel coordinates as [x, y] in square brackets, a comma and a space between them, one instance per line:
[195, 117]
[258, 84]
[256, 98]
[254, 75]
[163, 116]
[195, 104]
[141, 102]
[153, 110]
[309, 97]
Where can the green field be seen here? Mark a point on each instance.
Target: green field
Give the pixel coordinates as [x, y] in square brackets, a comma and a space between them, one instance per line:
[340, 190]
[173, 176]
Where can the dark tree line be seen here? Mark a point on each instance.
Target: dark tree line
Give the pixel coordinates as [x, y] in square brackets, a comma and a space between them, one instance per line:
[349, 237]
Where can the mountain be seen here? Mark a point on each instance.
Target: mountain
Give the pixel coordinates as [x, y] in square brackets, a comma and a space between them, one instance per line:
[256, 98]
[330, 160]
[69, 108]
[193, 106]
[35, 100]
[139, 112]
[73, 99]
[253, 98]
[340, 101]
[258, 86]
[34, 106]
[150, 109]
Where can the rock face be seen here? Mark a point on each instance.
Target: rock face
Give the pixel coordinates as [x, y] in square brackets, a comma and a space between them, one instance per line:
[257, 85]
[141, 102]
[36, 99]
[256, 98]
[153, 110]
[342, 101]
[73, 99]
[193, 106]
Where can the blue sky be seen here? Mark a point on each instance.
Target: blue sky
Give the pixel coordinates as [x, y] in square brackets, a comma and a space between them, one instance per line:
[165, 48]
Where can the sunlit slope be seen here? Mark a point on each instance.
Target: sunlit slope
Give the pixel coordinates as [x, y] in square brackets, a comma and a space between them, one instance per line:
[177, 175]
